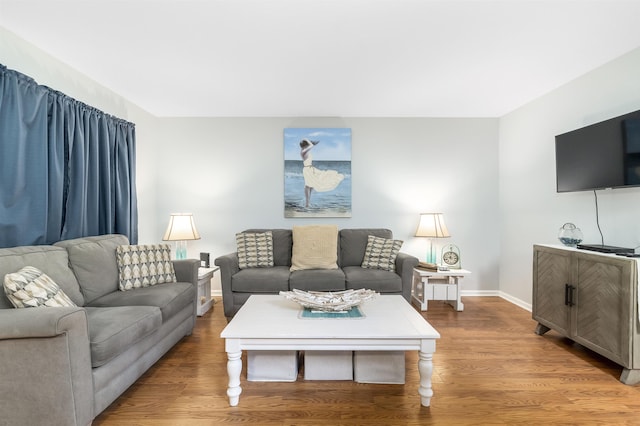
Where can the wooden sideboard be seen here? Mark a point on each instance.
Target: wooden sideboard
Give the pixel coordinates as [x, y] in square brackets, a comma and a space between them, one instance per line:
[591, 298]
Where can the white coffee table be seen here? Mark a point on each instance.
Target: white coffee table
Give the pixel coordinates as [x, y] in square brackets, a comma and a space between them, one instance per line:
[271, 322]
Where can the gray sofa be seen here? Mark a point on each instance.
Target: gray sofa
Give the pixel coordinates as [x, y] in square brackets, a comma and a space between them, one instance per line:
[65, 365]
[238, 284]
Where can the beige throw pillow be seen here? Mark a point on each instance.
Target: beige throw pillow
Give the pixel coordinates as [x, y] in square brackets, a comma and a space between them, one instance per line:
[314, 247]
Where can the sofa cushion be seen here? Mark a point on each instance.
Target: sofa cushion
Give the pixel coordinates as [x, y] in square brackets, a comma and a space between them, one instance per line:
[317, 280]
[53, 261]
[381, 253]
[261, 280]
[372, 279]
[353, 243]
[113, 330]
[282, 240]
[144, 266]
[169, 297]
[93, 260]
[255, 249]
[314, 247]
[30, 288]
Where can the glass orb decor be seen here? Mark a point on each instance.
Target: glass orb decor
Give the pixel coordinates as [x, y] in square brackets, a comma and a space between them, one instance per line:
[570, 235]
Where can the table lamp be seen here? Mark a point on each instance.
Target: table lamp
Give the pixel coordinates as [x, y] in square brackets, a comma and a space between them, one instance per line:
[432, 226]
[181, 228]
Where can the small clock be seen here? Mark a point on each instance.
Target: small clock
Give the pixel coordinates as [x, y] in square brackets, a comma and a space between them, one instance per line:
[451, 256]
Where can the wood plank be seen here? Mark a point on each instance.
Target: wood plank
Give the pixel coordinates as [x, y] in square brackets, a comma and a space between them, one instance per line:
[489, 368]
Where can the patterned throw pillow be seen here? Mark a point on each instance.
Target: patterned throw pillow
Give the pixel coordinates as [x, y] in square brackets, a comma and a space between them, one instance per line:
[30, 287]
[144, 265]
[255, 250]
[381, 253]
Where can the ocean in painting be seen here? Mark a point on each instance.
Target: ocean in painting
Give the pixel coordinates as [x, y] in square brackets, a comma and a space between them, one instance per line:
[336, 203]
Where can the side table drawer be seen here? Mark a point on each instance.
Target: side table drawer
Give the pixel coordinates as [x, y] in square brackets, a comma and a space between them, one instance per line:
[441, 291]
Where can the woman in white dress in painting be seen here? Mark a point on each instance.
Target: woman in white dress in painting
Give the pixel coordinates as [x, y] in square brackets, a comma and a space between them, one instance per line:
[316, 179]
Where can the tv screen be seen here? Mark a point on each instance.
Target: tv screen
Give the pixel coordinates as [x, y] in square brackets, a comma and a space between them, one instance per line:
[599, 156]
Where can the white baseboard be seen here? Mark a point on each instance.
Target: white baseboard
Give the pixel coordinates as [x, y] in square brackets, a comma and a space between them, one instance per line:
[465, 293]
[482, 293]
[497, 293]
[518, 302]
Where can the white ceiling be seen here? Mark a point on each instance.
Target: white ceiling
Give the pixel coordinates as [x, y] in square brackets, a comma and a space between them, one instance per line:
[350, 58]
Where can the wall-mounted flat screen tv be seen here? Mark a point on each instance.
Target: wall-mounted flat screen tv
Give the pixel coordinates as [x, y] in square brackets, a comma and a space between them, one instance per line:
[599, 156]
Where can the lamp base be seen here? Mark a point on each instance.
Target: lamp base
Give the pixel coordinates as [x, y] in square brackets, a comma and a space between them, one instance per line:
[181, 249]
[431, 254]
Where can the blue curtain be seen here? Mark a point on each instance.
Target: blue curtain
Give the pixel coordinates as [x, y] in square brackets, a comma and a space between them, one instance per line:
[67, 169]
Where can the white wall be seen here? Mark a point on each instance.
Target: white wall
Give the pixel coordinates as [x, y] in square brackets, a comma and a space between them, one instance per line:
[17, 54]
[531, 209]
[229, 172]
[493, 179]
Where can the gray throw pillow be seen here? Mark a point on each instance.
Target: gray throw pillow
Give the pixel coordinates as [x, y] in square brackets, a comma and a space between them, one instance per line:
[255, 249]
[381, 253]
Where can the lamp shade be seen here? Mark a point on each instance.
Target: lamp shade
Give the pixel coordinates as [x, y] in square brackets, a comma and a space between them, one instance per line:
[432, 225]
[181, 227]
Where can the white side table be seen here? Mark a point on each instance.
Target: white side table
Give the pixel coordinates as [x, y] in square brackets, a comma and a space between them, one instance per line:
[204, 289]
[437, 285]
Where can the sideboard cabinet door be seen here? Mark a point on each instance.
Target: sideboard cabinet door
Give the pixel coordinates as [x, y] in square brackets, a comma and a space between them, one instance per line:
[551, 274]
[603, 304]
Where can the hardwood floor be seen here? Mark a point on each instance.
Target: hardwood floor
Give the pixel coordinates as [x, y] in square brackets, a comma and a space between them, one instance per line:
[489, 369]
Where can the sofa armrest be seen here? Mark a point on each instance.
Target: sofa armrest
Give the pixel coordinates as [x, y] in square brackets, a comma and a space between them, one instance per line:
[404, 267]
[31, 322]
[46, 366]
[229, 265]
[187, 270]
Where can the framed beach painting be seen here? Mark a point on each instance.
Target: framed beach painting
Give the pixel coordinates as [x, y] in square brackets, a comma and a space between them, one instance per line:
[317, 172]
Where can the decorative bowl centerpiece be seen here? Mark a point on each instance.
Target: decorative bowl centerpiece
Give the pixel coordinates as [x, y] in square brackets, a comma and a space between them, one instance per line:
[570, 235]
[329, 301]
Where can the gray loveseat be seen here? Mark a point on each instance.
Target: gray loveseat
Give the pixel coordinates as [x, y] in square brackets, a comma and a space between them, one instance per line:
[65, 365]
[238, 284]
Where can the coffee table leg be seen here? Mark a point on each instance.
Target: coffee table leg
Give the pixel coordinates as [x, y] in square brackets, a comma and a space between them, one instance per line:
[234, 368]
[425, 368]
